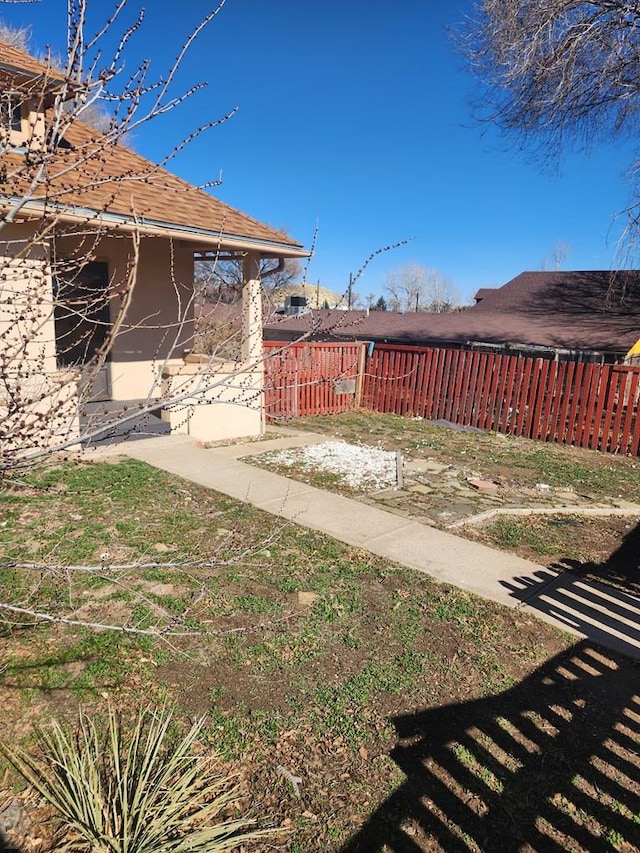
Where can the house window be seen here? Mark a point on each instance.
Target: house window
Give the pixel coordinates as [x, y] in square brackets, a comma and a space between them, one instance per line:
[10, 113]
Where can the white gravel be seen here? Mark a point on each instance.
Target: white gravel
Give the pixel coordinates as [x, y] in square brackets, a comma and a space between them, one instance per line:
[358, 466]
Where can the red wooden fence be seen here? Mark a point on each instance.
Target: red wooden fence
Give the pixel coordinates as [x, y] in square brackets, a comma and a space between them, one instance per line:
[310, 378]
[588, 405]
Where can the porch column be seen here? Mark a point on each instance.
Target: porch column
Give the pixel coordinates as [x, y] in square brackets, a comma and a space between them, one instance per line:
[251, 309]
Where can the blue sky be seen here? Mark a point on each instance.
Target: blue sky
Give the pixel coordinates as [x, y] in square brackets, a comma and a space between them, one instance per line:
[354, 115]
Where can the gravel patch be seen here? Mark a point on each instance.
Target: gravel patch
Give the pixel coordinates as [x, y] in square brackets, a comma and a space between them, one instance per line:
[358, 466]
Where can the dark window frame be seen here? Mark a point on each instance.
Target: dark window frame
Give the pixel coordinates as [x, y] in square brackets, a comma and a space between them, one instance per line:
[11, 113]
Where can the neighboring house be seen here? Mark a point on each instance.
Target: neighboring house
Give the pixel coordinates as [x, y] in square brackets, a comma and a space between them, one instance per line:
[589, 316]
[102, 241]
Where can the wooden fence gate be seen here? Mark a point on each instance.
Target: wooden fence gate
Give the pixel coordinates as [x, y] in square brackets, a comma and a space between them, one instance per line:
[311, 378]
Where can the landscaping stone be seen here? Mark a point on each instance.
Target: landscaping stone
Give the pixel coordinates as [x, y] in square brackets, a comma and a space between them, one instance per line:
[421, 489]
[420, 466]
[483, 485]
[305, 598]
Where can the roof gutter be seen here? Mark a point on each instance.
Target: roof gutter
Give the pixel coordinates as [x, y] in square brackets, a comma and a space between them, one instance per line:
[156, 228]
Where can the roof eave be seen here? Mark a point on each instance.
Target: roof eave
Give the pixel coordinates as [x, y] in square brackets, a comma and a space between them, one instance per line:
[200, 237]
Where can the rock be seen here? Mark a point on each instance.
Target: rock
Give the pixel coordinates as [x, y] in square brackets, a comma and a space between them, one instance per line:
[484, 486]
[10, 817]
[422, 466]
[421, 490]
[306, 598]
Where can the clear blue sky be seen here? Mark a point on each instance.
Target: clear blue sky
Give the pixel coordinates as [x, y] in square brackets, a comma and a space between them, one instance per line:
[354, 114]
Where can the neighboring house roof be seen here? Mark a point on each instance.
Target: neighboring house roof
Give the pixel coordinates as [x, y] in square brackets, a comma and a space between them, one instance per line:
[579, 293]
[533, 310]
[91, 177]
[479, 295]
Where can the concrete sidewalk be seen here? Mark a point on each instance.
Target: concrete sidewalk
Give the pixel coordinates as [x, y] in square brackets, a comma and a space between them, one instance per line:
[583, 608]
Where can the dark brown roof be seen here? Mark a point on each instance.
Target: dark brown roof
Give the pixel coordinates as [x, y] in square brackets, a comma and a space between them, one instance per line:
[89, 174]
[479, 295]
[603, 293]
[533, 310]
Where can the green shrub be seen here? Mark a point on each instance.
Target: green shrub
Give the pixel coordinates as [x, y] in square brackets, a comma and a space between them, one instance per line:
[139, 791]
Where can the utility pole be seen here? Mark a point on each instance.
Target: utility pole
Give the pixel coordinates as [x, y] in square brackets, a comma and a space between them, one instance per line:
[350, 291]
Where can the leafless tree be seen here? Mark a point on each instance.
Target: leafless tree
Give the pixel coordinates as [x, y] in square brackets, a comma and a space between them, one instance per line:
[222, 280]
[559, 74]
[59, 178]
[560, 70]
[15, 36]
[557, 256]
[413, 287]
[60, 163]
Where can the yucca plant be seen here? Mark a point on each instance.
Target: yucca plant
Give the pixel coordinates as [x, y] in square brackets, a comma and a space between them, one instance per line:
[139, 791]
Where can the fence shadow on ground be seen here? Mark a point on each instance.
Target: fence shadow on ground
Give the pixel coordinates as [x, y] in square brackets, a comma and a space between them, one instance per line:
[601, 601]
[550, 764]
[621, 568]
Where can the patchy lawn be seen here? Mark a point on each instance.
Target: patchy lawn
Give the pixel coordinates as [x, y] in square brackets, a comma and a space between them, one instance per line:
[441, 465]
[414, 715]
[515, 460]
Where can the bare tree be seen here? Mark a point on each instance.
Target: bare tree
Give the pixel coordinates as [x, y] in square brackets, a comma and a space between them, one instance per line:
[69, 195]
[559, 73]
[556, 257]
[222, 280]
[15, 36]
[67, 190]
[413, 287]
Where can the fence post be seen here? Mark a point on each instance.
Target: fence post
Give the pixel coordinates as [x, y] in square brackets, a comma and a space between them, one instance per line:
[360, 374]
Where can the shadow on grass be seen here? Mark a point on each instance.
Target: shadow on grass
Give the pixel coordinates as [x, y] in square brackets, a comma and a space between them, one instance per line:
[621, 568]
[6, 846]
[551, 764]
[600, 601]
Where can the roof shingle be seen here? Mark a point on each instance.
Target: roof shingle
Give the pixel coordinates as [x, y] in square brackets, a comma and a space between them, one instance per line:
[89, 173]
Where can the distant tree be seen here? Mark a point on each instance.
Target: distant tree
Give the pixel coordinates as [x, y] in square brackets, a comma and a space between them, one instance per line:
[380, 305]
[559, 73]
[15, 36]
[557, 256]
[222, 280]
[413, 287]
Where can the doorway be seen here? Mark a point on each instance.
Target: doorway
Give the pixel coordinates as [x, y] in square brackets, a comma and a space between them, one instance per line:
[82, 324]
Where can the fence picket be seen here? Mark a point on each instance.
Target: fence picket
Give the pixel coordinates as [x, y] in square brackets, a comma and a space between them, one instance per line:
[590, 405]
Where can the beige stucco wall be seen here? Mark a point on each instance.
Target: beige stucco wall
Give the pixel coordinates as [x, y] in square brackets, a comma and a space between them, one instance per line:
[151, 309]
[214, 401]
[26, 302]
[31, 134]
[38, 402]
[157, 327]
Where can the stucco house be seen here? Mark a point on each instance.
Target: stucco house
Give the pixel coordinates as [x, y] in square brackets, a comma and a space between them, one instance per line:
[97, 249]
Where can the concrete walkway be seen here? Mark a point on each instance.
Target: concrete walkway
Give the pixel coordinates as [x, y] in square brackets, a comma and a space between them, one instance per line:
[586, 609]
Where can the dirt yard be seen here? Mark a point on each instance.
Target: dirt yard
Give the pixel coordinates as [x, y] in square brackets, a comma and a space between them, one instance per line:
[414, 715]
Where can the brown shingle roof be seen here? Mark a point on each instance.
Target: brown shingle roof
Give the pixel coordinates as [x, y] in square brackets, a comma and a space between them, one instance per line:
[20, 70]
[547, 326]
[89, 174]
[577, 293]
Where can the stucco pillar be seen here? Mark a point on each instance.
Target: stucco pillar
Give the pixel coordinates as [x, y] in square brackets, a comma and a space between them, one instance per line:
[252, 309]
